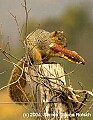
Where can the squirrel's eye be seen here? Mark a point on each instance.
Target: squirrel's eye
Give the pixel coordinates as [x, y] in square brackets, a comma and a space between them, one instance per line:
[59, 38]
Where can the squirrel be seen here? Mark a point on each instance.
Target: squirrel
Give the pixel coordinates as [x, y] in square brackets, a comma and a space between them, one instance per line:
[38, 47]
[37, 44]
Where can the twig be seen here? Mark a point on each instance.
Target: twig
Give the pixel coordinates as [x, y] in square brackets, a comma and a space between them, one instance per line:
[6, 53]
[26, 17]
[7, 45]
[82, 103]
[1, 33]
[81, 85]
[19, 31]
[2, 72]
[15, 18]
[26, 20]
[1, 36]
[90, 106]
[14, 81]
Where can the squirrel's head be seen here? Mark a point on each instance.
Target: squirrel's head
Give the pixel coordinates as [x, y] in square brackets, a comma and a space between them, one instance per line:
[59, 38]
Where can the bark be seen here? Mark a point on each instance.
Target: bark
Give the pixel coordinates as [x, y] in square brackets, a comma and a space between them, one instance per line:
[47, 85]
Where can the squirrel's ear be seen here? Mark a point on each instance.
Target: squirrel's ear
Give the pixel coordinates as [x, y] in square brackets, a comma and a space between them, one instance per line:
[53, 34]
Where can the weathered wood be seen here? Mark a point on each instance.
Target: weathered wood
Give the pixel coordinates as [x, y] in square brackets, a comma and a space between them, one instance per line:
[46, 83]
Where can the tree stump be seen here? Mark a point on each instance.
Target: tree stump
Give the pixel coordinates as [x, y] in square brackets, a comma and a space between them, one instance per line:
[46, 83]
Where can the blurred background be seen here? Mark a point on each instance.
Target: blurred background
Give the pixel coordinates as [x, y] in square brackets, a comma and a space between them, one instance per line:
[74, 17]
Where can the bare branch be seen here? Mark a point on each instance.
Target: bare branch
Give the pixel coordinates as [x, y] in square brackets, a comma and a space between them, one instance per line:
[26, 12]
[90, 106]
[2, 72]
[6, 53]
[15, 18]
[7, 45]
[19, 31]
[29, 10]
[1, 33]
[16, 80]
[26, 15]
